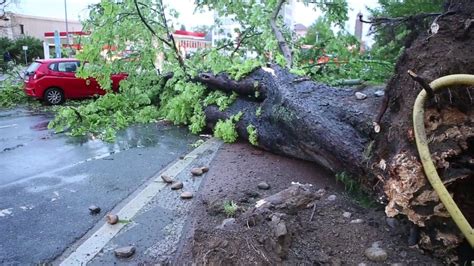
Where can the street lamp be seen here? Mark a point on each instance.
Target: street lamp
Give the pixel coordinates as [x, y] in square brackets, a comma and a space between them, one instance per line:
[67, 30]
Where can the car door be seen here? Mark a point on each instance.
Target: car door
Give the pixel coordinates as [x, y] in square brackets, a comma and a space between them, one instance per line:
[72, 86]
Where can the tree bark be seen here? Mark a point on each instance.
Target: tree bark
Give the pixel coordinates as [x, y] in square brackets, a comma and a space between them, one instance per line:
[329, 126]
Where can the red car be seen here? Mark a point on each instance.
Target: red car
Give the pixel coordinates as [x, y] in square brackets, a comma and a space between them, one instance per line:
[54, 80]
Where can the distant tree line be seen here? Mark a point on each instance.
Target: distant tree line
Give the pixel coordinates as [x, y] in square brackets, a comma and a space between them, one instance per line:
[11, 50]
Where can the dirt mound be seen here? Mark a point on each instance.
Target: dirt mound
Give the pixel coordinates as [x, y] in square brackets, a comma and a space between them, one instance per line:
[313, 223]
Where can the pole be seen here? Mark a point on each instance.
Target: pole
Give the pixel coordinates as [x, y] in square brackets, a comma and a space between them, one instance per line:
[67, 29]
[26, 59]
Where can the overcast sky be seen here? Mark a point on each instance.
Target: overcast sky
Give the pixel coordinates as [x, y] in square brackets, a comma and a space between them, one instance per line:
[78, 9]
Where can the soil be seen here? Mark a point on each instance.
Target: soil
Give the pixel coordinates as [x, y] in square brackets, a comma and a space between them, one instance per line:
[317, 233]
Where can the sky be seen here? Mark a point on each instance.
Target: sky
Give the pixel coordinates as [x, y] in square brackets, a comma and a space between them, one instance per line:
[77, 9]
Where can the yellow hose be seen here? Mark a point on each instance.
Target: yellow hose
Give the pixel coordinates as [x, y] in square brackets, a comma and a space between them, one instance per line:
[425, 155]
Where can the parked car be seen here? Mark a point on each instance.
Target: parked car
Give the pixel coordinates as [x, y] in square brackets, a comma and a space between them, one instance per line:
[54, 81]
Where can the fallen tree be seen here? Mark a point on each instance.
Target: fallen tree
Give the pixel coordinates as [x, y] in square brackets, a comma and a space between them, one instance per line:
[371, 138]
[327, 125]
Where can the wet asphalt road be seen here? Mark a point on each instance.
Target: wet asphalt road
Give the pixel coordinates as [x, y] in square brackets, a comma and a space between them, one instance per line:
[48, 181]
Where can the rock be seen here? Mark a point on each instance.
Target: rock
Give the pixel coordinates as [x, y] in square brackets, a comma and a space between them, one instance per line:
[360, 96]
[357, 221]
[403, 254]
[197, 171]
[263, 185]
[177, 185]
[229, 222]
[124, 252]
[379, 93]
[392, 222]
[167, 179]
[112, 218]
[205, 169]
[347, 215]
[376, 253]
[187, 195]
[280, 229]
[94, 209]
[332, 197]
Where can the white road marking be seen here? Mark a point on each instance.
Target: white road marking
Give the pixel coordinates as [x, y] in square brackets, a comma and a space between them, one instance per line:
[97, 241]
[7, 126]
[6, 212]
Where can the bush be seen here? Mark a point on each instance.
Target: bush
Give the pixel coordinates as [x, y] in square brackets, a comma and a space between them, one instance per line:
[35, 49]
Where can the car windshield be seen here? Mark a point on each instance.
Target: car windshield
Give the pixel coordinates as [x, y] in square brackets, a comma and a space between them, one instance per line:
[33, 67]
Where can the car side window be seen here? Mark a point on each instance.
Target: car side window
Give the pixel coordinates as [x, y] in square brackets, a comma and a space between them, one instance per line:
[53, 67]
[67, 66]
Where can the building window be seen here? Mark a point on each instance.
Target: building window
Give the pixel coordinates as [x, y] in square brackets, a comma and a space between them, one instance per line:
[22, 29]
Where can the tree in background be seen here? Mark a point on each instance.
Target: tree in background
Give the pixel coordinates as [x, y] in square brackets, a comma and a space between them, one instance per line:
[202, 28]
[336, 57]
[35, 49]
[398, 23]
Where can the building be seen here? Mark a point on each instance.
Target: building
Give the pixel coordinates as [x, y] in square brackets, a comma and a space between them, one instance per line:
[190, 42]
[300, 30]
[14, 26]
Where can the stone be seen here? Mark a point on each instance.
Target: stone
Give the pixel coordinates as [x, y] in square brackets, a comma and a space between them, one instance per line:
[357, 221]
[177, 185]
[347, 215]
[280, 229]
[332, 197]
[360, 96]
[197, 171]
[167, 179]
[379, 93]
[94, 209]
[229, 222]
[263, 185]
[112, 218]
[124, 252]
[187, 195]
[376, 254]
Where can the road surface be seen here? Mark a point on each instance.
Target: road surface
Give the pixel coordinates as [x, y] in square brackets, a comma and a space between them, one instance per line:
[48, 181]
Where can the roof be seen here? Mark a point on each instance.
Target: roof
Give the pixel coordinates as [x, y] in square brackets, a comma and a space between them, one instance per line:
[300, 27]
[190, 33]
[51, 60]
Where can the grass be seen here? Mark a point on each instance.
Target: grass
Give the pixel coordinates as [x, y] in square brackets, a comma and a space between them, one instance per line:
[355, 191]
[230, 208]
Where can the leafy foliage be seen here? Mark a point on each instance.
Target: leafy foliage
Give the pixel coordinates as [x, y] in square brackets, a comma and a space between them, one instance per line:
[35, 49]
[253, 134]
[390, 38]
[11, 94]
[230, 208]
[135, 37]
[332, 58]
[225, 130]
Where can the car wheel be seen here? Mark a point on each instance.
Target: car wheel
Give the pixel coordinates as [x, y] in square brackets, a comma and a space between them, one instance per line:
[54, 96]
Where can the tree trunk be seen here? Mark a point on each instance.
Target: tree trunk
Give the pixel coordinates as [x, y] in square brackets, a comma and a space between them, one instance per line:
[329, 126]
